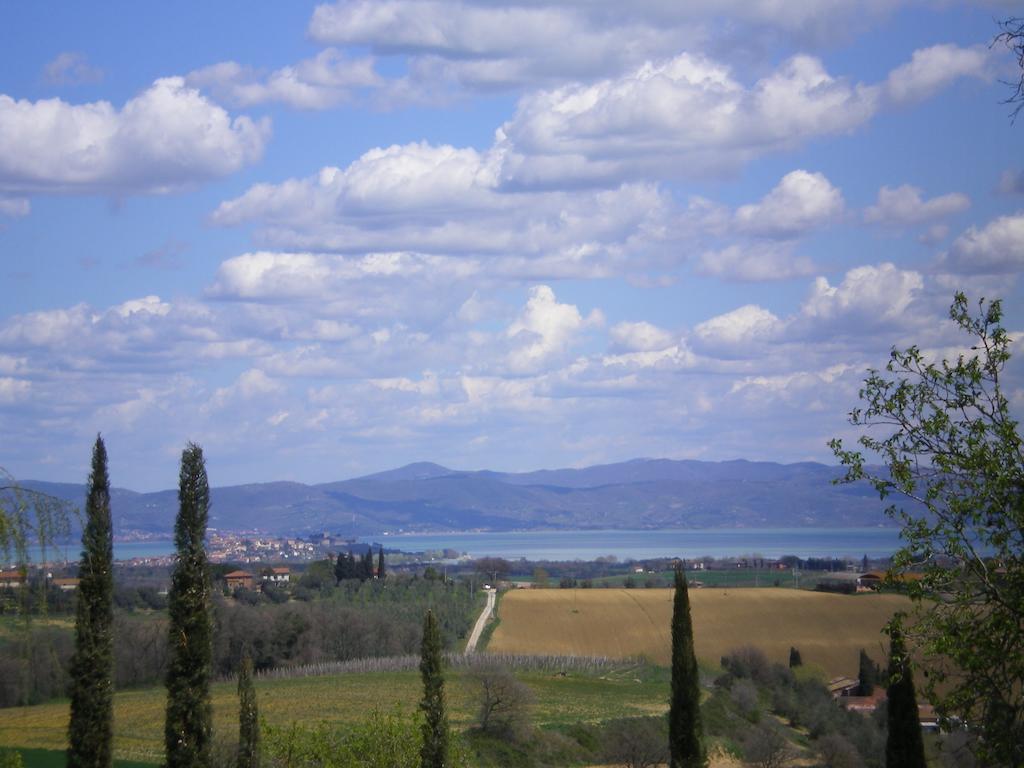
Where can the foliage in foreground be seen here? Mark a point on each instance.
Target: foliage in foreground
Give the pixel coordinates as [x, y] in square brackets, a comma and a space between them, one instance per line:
[952, 450]
[384, 740]
[753, 695]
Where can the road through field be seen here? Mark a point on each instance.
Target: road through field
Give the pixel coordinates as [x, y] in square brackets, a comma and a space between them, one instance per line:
[478, 628]
[828, 629]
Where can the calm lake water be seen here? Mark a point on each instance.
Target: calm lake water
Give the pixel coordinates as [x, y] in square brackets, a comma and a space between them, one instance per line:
[714, 542]
[589, 545]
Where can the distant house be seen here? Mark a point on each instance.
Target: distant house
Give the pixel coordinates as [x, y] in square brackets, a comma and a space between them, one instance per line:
[871, 579]
[65, 585]
[238, 579]
[875, 579]
[842, 686]
[928, 718]
[865, 705]
[12, 579]
[279, 575]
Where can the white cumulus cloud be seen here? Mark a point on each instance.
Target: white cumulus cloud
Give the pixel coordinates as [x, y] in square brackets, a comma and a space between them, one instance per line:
[446, 201]
[931, 69]
[997, 247]
[545, 329]
[167, 137]
[322, 82]
[904, 205]
[640, 337]
[743, 326]
[801, 201]
[868, 296]
[684, 117]
[754, 262]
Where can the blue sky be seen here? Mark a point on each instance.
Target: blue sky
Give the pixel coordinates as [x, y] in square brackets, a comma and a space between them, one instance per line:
[327, 239]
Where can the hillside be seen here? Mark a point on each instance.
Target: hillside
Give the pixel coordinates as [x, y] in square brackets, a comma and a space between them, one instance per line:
[644, 493]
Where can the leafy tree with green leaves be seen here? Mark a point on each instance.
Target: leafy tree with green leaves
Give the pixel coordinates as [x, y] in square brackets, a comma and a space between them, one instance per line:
[904, 746]
[91, 728]
[685, 732]
[29, 518]
[1012, 36]
[381, 573]
[434, 751]
[248, 717]
[188, 728]
[952, 451]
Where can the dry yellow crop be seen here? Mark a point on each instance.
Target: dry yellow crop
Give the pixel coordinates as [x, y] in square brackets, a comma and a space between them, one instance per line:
[828, 629]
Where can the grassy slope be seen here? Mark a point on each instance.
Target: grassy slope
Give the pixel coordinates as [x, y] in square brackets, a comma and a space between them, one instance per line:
[138, 715]
[828, 629]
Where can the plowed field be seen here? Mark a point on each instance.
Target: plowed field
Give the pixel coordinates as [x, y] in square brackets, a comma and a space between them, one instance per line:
[828, 629]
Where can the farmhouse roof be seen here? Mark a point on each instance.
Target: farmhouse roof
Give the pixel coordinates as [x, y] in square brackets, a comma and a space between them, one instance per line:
[238, 575]
[839, 684]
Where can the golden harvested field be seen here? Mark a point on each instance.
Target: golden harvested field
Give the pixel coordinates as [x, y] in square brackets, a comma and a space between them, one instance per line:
[828, 629]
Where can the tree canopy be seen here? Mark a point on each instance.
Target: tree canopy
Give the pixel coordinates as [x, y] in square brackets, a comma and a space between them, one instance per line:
[953, 455]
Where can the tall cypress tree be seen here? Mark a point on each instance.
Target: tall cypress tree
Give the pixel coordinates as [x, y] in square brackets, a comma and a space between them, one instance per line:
[434, 752]
[867, 674]
[188, 728]
[685, 739]
[380, 563]
[367, 564]
[248, 717]
[794, 658]
[904, 746]
[90, 732]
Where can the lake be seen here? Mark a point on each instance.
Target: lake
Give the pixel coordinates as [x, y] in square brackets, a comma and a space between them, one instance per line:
[589, 545]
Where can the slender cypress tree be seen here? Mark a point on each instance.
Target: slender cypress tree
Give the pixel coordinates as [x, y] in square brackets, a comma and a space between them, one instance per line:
[90, 732]
[188, 728]
[339, 568]
[434, 752]
[686, 747]
[380, 563]
[867, 674]
[904, 747]
[794, 658]
[367, 564]
[248, 717]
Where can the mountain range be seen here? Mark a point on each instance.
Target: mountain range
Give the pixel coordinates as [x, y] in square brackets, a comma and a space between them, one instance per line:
[638, 494]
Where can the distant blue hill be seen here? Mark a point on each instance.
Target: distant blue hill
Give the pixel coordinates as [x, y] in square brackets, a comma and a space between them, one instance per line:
[643, 493]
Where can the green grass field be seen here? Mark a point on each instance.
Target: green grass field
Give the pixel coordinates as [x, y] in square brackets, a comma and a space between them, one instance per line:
[138, 715]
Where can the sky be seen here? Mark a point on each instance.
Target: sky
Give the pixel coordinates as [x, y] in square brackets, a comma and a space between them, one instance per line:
[323, 240]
